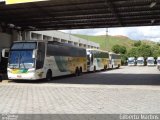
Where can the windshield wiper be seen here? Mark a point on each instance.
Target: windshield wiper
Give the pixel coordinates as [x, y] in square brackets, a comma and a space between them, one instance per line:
[24, 65]
[20, 61]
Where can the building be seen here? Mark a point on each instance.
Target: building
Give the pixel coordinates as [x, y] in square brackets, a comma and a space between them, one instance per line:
[60, 37]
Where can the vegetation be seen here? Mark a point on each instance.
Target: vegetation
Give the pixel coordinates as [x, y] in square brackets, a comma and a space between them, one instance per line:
[119, 49]
[125, 46]
[107, 42]
[138, 43]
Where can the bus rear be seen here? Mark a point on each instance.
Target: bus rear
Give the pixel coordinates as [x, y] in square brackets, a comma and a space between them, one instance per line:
[97, 60]
[115, 60]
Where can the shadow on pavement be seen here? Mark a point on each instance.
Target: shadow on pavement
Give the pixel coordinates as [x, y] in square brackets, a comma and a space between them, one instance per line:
[113, 79]
[104, 78]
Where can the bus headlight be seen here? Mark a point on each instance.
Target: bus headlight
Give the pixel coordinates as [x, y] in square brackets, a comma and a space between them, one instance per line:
[9, 71]
[31, 70]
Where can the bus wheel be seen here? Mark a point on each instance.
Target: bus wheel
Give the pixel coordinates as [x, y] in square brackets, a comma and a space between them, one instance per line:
[118, 66]
[94, 70]
[77, 72]
[105, 67]
[80, 72]
[49, 75]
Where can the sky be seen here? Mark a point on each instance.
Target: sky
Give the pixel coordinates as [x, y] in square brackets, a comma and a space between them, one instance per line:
[136, 33]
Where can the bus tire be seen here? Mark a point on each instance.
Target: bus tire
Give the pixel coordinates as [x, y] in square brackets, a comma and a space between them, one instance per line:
[118, 67]
[80, 71]
[94, 70]
[105, 67]
[49, 75]
[77, 72]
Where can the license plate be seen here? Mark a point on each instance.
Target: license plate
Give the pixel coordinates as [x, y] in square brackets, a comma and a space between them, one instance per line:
[19, 76]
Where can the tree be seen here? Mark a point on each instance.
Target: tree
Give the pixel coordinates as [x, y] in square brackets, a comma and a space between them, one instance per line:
[123, 50]
[119, 49]
[137, 43]
[155, 51]
[124, 59]
[144, 51]
[116, 48]
[132, 52]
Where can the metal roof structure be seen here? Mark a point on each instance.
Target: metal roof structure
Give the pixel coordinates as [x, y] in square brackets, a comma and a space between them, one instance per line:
[80, 14]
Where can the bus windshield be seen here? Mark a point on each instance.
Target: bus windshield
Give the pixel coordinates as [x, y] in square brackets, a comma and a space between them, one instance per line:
[130, 61]
[150, 61]
[20, 55]
[158, 61]
[140, 61]
[21, 59]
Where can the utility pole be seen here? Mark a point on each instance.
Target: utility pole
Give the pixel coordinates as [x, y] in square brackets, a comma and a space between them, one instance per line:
[106, 38]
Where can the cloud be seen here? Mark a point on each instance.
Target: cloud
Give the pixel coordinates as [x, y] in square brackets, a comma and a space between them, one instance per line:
[135, 33]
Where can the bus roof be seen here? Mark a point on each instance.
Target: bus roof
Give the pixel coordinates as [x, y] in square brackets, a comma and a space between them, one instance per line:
[96, 50]
[113, 53]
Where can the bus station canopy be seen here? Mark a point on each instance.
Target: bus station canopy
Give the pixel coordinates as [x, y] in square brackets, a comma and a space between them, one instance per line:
[80, 14]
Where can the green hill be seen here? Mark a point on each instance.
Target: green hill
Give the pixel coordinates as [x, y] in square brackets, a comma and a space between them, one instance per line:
[106, 42]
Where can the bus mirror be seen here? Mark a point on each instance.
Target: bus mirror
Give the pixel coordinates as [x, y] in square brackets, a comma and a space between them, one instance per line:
[34, 55]
[5, 53]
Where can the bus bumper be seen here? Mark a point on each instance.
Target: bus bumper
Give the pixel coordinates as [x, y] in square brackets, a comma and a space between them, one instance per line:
[28, 76]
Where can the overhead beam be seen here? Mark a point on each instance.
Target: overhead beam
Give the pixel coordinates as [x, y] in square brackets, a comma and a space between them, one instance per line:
[114, 11]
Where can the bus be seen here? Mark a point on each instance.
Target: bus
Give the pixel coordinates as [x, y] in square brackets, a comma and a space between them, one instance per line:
[158, 63]
[131, 61]
[115, 60]
[150, 61]
[3, 63]
[140, 61]
[97, 60]
[44, 59]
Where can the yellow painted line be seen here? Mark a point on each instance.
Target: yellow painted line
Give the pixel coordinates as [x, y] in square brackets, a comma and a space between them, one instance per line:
[21, 1]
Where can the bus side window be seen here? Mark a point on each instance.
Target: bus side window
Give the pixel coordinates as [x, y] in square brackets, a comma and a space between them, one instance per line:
[91, 58]
[40, 55]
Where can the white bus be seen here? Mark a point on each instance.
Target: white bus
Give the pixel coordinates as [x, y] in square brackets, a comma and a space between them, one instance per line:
[158, 63]
[115, 60]
[97, 60]
[41, 59]
[131, 61]
[150, 61]
[140, 61]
